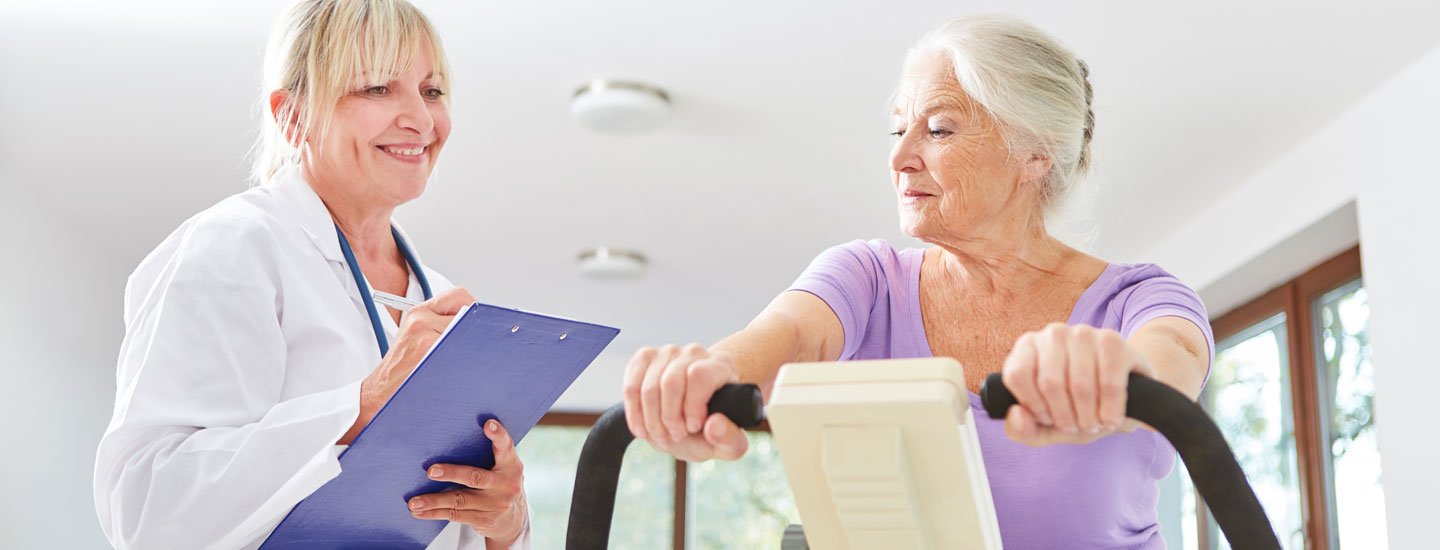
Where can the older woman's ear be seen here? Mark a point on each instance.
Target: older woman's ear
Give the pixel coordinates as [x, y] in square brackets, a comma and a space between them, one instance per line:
[1035, 167]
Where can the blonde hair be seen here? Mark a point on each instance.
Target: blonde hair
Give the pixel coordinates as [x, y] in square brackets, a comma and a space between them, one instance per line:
[1031, 84]
[321, 50]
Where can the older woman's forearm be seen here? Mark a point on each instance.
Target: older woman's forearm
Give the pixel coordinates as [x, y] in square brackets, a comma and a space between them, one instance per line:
[796, 327]
[666, 388]
[1176, 349]
[760, 349]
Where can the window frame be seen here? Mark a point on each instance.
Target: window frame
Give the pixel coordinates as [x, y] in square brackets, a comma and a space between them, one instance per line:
[1296, 299]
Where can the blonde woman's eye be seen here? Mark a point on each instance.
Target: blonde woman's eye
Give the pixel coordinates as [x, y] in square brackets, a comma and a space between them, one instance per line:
[377, 90]
[434, 93]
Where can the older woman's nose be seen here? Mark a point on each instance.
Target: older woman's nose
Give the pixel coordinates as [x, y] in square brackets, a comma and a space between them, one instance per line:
[905, 157]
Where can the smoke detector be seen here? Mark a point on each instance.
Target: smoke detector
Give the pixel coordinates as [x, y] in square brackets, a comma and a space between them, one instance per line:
[607, 263]
[620, 107]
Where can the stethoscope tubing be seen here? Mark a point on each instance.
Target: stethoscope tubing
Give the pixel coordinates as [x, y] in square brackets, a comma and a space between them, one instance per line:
[365, 288]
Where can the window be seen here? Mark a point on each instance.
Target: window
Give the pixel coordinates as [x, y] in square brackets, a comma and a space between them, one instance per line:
[1292, 389]
[1248, 395]
[742, 504]
[661, 503]
[644, 512]
[1356, 502]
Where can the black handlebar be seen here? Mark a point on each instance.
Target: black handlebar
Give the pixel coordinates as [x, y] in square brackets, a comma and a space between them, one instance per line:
[592, 505]
[1216, 475]
[1213, 469]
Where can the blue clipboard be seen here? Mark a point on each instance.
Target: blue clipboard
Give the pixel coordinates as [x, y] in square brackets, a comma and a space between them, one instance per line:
[493, 362]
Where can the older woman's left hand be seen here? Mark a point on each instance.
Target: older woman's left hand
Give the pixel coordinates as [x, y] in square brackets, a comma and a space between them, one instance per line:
[1071, 384]
[492, 502]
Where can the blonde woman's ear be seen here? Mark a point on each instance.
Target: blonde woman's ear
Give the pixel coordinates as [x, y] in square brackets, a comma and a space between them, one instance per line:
[285, 116]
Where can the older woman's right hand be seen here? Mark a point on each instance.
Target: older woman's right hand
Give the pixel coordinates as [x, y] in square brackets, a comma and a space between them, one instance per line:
[667, 391]
[419, 329]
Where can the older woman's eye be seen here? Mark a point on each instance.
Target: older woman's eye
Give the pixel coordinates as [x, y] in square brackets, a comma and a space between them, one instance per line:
[939, 132]
[898, 133]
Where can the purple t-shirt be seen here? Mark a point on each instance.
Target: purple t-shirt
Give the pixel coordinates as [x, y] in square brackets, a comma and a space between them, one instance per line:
[1100, 495]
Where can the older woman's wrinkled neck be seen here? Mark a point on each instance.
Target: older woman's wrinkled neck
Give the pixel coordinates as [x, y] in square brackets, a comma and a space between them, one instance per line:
[1006, 258]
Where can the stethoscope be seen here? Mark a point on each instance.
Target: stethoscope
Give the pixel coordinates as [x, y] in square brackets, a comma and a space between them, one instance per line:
[365, 289]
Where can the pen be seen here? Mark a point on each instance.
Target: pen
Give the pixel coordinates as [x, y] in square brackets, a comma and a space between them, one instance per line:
[398, 303]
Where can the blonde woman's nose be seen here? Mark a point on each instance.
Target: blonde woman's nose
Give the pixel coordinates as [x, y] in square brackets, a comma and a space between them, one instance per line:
[416, 115]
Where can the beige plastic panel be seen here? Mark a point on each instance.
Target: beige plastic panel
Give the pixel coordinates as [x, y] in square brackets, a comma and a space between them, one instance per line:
[883, 454]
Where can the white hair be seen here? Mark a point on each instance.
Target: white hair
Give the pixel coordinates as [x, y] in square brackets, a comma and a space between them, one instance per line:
[1036, 89]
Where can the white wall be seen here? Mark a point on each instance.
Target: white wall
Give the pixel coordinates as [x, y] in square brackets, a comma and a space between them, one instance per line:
[60, 327]
[598, 388]
[1380, 156]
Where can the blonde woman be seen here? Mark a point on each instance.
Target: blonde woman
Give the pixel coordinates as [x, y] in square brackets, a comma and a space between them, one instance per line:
[992, 127]
[253, 347]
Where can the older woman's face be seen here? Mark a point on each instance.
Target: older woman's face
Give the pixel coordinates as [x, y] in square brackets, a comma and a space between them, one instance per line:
[953, 174]
[384, 138]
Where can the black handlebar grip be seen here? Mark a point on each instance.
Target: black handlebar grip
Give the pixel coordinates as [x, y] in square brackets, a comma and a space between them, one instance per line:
[592, 504]
[996, 397]
[741, 403]
[1213, 469]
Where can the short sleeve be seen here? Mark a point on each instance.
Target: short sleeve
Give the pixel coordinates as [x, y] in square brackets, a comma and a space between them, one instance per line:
[1166, 296]
[848, 278]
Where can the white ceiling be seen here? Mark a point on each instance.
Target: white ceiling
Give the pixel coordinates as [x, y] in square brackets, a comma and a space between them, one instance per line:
[127, 117]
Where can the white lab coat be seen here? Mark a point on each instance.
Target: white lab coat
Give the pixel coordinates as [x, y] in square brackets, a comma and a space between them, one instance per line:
[245, 344]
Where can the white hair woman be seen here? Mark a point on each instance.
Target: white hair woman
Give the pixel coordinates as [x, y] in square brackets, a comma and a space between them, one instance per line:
[992, 126]
[253, 347]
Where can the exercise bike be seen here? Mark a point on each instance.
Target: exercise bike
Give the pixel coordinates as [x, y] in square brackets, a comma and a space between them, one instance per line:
[1216, 475]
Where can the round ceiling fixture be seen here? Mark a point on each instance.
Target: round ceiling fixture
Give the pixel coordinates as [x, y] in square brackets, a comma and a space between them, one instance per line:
[620, 107]
[603, 262]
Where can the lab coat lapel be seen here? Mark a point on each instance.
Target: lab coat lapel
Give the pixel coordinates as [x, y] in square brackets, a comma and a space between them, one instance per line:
[303, 206]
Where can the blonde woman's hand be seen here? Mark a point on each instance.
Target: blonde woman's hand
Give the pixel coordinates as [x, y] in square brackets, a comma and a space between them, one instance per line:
[1071, 383]
[492, 502]
[667, 392]
[418, 330]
